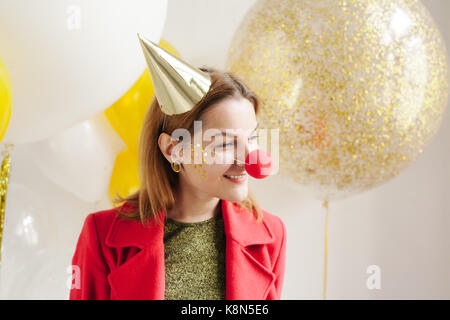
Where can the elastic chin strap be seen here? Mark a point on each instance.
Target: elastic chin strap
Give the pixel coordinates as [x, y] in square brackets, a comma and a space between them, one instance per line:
[163, 123]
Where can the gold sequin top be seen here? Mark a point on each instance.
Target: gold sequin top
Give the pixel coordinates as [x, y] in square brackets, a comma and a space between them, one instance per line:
[194, 256]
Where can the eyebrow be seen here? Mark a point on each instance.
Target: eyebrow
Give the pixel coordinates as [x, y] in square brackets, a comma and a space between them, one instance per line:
[228, 134]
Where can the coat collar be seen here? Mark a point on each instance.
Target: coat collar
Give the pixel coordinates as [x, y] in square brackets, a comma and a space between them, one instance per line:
[239, 224]
[249, 272]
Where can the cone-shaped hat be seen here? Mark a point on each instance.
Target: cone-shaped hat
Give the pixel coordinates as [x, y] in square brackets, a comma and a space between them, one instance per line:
[178, 85]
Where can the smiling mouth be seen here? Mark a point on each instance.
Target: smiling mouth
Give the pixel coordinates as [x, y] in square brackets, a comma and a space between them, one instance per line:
[236, 178]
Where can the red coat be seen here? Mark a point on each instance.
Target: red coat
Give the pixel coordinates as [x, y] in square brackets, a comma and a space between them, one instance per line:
[122, 259]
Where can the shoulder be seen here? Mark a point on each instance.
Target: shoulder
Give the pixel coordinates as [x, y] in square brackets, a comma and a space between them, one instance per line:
[99, 222]
[275, 223]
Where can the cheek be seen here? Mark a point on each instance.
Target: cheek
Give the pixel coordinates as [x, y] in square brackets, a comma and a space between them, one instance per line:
[197, 165]
[200, 169]
[207, 172]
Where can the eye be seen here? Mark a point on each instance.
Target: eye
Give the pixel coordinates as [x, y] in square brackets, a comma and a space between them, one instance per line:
[232, 143]
[227, 144]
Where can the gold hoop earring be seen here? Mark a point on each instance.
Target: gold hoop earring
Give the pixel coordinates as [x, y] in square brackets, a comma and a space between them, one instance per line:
[176, 166]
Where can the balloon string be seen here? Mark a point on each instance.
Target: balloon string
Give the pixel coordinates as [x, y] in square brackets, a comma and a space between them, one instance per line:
[325, 204]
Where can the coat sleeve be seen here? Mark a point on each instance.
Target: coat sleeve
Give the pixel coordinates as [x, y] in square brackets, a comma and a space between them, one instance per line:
[280, 263]
[89, 270]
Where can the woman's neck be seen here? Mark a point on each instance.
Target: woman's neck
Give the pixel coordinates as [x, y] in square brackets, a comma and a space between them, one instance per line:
[193, 206]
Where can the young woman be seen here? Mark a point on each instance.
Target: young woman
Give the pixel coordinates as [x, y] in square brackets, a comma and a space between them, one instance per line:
[193, 230]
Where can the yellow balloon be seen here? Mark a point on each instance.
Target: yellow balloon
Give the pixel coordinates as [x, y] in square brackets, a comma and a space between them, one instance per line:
[124, 178]
[5, 99]
[127, 114]
[356, 88]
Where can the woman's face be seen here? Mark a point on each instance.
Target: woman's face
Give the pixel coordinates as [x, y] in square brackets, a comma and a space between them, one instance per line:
[228, 133]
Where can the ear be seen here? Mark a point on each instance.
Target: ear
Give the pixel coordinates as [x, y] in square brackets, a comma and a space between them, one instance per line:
[166, 144]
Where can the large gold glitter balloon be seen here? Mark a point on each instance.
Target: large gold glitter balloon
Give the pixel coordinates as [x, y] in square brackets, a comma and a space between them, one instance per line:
[356, 88]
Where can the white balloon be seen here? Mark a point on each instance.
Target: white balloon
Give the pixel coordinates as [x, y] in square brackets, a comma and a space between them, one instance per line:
[68, 60]
[41, 228]
[80, 159]
[26, 237]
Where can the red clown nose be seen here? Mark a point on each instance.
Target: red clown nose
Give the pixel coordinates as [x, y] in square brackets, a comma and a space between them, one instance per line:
[259, 164]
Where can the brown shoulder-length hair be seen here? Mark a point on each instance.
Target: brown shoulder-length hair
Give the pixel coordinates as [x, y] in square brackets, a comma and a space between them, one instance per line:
[157, 180]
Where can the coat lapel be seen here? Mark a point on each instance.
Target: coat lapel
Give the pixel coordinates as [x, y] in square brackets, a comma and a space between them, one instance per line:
[247, 261]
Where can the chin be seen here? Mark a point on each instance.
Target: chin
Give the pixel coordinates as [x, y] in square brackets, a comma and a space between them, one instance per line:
[236, 196]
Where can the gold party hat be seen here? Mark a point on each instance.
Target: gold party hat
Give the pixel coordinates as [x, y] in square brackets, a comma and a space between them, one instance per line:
[178, 85]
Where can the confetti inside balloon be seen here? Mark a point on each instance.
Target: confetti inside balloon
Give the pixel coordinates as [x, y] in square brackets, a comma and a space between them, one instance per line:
[356, 88]
[4, 181]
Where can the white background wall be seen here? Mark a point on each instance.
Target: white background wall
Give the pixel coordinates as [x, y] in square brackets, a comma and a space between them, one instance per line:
[400, 226]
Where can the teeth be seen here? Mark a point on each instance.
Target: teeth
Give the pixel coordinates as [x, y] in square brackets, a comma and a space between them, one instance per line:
[235, 177]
